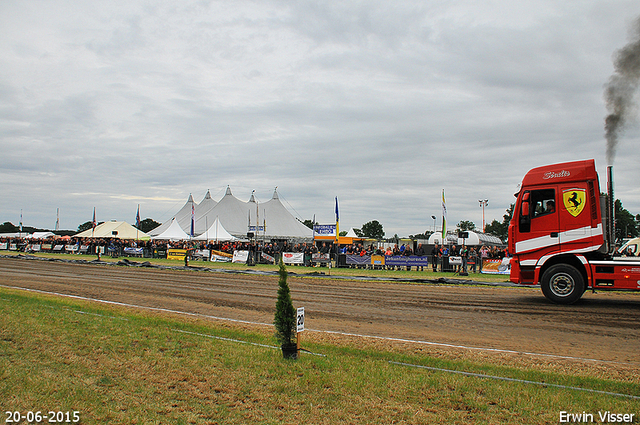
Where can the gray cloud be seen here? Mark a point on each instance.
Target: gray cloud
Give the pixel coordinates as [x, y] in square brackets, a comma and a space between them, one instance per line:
[382, 104]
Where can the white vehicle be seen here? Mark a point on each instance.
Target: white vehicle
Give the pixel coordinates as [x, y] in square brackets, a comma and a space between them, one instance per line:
[631, 248]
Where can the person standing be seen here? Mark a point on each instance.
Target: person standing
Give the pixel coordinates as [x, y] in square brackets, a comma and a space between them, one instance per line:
[420, 253]
[435, 257]
[484, 253]
[454, 252]
[473, 259]
[463, 253]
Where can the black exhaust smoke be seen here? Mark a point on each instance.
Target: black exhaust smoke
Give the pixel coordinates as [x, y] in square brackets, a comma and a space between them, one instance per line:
[620, 90]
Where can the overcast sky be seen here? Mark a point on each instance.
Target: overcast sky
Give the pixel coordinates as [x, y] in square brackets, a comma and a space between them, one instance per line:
[381, 103]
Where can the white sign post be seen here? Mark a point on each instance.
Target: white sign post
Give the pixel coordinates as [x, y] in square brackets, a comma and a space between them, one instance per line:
[300, 325]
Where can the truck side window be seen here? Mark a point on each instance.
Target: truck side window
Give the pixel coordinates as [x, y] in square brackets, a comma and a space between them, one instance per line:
[543, 202]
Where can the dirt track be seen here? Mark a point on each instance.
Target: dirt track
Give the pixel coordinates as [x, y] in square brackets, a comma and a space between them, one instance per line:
[603, 326]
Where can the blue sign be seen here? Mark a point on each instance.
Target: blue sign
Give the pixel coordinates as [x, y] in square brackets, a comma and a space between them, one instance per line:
[325, 229]
[392, 260]
[357, 259]
[397, 260]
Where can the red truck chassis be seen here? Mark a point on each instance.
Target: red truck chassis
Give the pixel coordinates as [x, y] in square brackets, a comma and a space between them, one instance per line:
[561, 235]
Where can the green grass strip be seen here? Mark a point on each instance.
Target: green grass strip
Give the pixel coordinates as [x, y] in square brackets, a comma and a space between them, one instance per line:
[119, 365]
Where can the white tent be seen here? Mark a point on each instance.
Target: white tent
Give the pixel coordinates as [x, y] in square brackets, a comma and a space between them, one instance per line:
[474, 238]
[233, 214]
[239, 218]
[114, 229]
[173, 233]
[351, 233]
[216, 232]
[42, 235]
[183, 217]
[280, 223]
[436, 238]
[478, 238]
[203, 214]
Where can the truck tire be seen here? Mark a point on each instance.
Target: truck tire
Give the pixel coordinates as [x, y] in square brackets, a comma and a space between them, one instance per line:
[562, 284]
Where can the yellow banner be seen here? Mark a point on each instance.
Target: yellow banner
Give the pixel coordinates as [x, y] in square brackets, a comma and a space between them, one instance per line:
[176, 254]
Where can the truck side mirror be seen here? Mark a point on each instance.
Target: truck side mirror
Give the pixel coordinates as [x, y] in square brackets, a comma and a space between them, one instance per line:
[525, 218]
[525, 205]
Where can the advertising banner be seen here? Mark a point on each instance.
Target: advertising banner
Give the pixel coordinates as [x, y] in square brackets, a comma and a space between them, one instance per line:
[201, 254]
[268, 257]
[358, 260]
[381, 260]
[221, 254]
[319, 257]
[497, 266]
[397, 260]
[240, 256]
[135, 251]
[176, 254]
[293, 257]
[325, 229]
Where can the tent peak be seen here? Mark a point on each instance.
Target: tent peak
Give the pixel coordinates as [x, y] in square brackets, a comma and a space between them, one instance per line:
[208, 195]
[190, 198]
[275, 193]
[228, 191]
[253, 198]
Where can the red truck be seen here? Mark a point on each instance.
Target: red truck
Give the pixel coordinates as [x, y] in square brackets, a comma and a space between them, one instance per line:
[562, 234]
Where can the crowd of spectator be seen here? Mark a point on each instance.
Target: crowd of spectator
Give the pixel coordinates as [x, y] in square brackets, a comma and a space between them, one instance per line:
[472, 257]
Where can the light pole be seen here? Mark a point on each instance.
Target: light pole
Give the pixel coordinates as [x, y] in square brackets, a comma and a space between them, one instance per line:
[483, 203]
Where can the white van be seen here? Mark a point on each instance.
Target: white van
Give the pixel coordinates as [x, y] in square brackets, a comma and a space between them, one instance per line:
[631, 248]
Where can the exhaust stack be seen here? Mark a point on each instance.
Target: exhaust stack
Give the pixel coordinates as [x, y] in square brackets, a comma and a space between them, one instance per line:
[611, 218]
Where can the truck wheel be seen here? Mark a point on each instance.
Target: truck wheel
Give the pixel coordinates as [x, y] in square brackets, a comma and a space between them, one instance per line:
[562, 284]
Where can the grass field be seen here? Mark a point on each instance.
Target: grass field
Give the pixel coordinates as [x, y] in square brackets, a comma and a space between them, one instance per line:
[124, 366]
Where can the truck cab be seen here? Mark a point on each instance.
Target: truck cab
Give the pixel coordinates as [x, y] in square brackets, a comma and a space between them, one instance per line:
[557, 229]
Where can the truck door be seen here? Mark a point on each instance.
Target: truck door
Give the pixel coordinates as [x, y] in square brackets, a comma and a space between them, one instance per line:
[538, 222]
[575, 217]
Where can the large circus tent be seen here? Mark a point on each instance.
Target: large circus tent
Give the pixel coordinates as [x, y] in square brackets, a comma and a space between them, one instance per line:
[268, 220]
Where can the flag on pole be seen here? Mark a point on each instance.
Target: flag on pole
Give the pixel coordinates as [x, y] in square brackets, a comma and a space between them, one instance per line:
[20, 221]
[93, 223]
[444, 218]
[337, 220]
[193, 219]
[138, 217]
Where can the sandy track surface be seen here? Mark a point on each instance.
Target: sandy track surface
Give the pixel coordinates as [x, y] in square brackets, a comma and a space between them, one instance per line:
[603, 326]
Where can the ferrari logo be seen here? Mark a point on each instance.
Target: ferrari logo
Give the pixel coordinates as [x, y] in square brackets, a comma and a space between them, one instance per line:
[574, 200]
